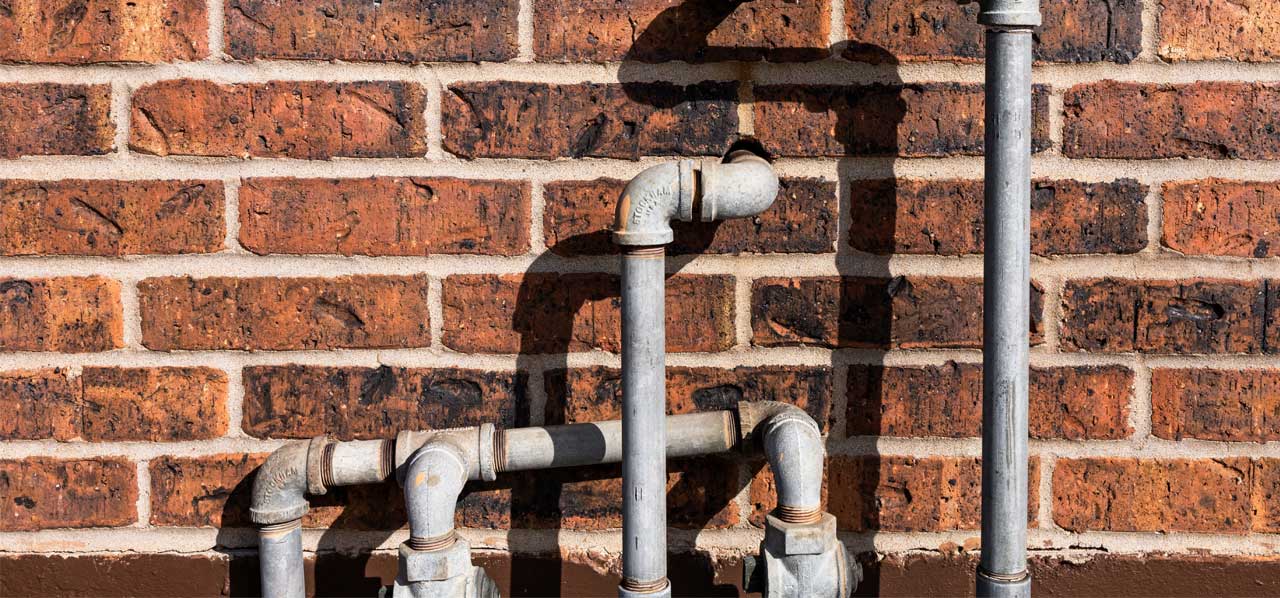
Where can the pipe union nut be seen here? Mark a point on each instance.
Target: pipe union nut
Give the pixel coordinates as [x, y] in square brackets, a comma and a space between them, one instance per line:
[788, 539]
[436, 565]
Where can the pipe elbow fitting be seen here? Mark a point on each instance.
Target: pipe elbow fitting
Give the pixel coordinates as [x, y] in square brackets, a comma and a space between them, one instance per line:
[744, 186]
[792, 442]
[651, 200]
[280, 485]
[433, 480]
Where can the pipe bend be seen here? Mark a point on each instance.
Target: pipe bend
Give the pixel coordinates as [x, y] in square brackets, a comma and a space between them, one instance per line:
[743, 186]
[280, 485]
[433, 480]
[792, 442]
[651, 200]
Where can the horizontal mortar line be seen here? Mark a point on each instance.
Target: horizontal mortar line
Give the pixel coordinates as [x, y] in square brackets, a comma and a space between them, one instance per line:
[136, 450]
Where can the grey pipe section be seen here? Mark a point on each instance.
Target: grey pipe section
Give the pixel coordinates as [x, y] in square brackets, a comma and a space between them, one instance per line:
[1002, 569]
[601, 442]
[794, 447]
[277, 507]
[434, 477]
[280, 558]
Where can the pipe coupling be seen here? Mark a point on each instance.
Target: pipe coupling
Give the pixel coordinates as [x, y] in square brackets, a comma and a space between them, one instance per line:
[1021, 14]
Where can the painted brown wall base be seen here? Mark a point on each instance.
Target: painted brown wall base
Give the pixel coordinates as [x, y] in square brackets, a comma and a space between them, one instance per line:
[692, 575]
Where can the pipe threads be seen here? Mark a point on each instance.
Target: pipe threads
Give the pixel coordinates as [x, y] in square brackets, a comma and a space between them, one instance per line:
[286, 526]
[436, 543]
[387, 458]
[799, 514]
[326, 465]
[645, 587]
[646, 250]
[500, 451]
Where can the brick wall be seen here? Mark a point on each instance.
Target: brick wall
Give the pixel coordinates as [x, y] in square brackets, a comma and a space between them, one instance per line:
[224, 224]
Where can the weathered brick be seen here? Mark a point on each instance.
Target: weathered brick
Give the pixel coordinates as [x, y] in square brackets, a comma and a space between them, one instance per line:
[278, 314]
[280, 119]
[384, 216]
[43, 493]
[908, 30]
[917, 312]
[212, 491]
[70, 315]
[1075, 403]
[595, 394]
[944, 217]
[1219, 30]
[650, 31]
[50, 119]
[1147, 495]
[544, 313]
[297, 401]
[579, 215]
[910, 121]
[88, 31]
[1266, 495]
[536, 120]
[1207, 119]
[1164, 316]
[40, 404]
[1221, 217]
[154, 404]
[110, 218]
[1227, 405]
[897, 493]
[450, 30]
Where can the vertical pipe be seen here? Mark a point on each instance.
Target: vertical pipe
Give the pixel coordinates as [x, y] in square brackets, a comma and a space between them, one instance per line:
[644, 406]
[280, 557]
[1002, 570]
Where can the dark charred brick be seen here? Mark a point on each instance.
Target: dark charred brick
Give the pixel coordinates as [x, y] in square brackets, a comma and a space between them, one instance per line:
[650, 31]
[212, 491]
[1164, 316]
[910, 30]
[595, 394]
[545, 313]
[1074, 403]
[277, 314]
[89, 31]
[356, 30]
[296, 401]
[579, 216]
[154, 404]
[384, 216]
[110, 218]
[71, 315]
[51, 119]
[39, 405]
[917, 312]
[1207, 119]
[1221, 217]
[944, 217]
[43, 493]
[1226, 405]
[910, 121]
[537, 120]
[1219, 30]
[280, 119]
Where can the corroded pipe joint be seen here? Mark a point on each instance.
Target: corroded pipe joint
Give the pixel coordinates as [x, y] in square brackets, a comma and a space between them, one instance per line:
[793, 444]
[741, 187]
[1020, 14]
[280, 486]
[434, 477]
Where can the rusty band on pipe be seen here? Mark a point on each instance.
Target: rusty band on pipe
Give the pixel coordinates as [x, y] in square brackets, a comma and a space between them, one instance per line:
[645, 587]
[649, 251]
[326, 465]
[436, 543]
[500, 451]
[799, 515]
[280, 528]
[387, 458]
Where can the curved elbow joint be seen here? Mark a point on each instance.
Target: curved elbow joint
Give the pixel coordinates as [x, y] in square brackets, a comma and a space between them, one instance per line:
[280, 486]
[433, 480]
[744, 186]
[793, 444]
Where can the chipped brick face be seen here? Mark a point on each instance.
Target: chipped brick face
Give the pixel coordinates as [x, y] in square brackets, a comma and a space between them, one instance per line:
[226, 225]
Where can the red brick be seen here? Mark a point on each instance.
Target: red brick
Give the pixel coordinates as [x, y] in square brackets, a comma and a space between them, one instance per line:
[1219, 30]
[70, 315]
[88, 31]
[536, 120]
[1266, 496]
[1164, 316]
[110, 218]
[648, 31]
[297, 401]
[897, 493]
[1227, 405]
[908, 30]
[356, 30]
[595, 394]
[280, 119]
[579, 215]
[557, 313]
[55, 120]
[384, 216]
[212, 491]
[154, 404]
[944, 217]
[38, 405]
[278, 314]
[43, 493]
[1074, 403]
[910, 121]
[1221, 217]
[1146, 495]
[908, 313]
[1207, 119]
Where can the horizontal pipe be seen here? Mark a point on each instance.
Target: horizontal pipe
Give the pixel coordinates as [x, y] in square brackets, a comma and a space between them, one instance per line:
[601, 442]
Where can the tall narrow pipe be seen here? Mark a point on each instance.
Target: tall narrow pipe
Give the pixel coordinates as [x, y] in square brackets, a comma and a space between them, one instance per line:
[644, 407]
[1002, 569]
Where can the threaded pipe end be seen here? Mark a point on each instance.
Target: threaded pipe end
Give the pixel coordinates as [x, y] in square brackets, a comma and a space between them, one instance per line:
[500, 451]
[326, 465]
[799, 514]
[645, 250]
[436, 543]
[387, 459]
[645, 587]
[276, 528]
